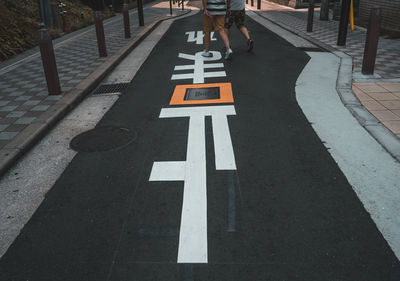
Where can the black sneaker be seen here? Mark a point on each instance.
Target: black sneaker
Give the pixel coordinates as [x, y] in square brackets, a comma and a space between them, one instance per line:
[250, 45]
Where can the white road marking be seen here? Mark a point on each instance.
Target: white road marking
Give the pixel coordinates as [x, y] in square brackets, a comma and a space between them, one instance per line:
[372, 172]
[168, 171]
[197, 36]
[198, 67]
[193, 230]
[224, 156]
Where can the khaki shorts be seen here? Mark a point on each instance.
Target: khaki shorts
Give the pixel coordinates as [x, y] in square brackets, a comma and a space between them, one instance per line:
[219, 21]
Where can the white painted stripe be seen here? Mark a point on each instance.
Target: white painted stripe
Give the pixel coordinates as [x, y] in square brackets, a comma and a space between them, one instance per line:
[193, 232]
[214, 74]
[224, 156]
[186, 56]
[182, 76]
[198, 110]
[168, 171]
[199, 38]
[184, 67]
[370, 169]
[213, 65]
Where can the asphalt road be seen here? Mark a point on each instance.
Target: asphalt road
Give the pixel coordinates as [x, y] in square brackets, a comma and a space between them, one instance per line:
[250, 176]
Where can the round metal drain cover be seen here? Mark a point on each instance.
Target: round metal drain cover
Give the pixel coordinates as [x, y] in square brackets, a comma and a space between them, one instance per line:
[102, 139]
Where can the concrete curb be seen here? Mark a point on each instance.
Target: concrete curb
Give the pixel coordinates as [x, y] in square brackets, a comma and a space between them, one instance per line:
[25, 140]
[389, 141]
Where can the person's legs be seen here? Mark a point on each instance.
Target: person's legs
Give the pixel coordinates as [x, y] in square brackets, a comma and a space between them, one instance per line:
[219, 26]
[239, 21]
[207, 28]
[244, 32]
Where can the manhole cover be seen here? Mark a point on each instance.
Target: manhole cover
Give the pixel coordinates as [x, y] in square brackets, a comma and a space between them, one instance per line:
[202, 93]
[102, 139]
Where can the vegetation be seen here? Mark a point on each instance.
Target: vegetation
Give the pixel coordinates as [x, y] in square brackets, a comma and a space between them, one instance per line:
[19, 23]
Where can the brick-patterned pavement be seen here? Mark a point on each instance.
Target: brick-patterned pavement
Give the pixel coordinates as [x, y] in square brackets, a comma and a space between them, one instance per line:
[388, 56]
[23, 90]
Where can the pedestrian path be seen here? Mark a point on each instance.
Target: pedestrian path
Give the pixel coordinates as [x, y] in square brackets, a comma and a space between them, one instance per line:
[23, 89]
[380, 93]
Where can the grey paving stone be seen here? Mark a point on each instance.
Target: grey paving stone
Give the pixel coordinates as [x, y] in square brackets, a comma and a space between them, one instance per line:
[7, 135]
[3, 127]
[25, 120]
[31, 102]
[40, 108]
[9, 90]
[23, 98]
[16, 94]
[3, 103]
[16, 114]
[8, 108]
[54, 98]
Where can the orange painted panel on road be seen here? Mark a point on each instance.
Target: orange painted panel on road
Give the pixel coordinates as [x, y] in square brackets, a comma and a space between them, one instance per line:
[225, 91]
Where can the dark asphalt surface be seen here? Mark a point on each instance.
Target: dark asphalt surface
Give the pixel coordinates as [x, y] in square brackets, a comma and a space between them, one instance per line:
[287, 213]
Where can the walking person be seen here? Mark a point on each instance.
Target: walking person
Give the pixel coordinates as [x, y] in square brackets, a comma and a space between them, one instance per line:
[236, 14]
[214, 14]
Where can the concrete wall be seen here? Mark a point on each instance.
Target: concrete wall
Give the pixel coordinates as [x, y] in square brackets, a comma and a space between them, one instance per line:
[390, 12]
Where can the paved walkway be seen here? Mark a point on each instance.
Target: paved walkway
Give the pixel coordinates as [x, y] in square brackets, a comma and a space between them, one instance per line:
[379, 93]
[23, 89]
[26, 110]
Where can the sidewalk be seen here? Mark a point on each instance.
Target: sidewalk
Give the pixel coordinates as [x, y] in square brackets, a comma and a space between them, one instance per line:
[379, 93]
[26, 109]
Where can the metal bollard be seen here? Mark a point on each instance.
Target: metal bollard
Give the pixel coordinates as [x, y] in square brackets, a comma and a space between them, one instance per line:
[310, 17]
[324, 12]
[140, 12]
[344, 22]
[127, 27]
[252, 3]
[371, 43]
[258, 4]
[101, 41]
[170, 7]
[49, 62]
[183, 4]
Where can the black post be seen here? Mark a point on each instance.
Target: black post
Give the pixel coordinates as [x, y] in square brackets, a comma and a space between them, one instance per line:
[41, 11]
[371, 43]
[170, 7]
[258, 4]
[49, 62]
[140, 12]
[344, 22]
[247, 1]
[324, 12]
[252, 3]
[310, 17]
[101, 41]
[127, 27]
[183, 4]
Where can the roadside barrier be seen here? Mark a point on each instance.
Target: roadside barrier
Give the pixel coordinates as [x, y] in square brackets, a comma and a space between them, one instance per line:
[140, 12]
[310, 16]
[101, 41]
[127, 27]
[324, 12]
[344, 22]
[371, 43]
[49, 62]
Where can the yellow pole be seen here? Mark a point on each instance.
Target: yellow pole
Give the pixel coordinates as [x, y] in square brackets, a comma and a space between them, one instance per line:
[351, 16]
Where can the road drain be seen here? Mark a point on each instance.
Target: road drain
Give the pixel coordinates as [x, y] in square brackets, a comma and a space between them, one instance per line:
[103, 139]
